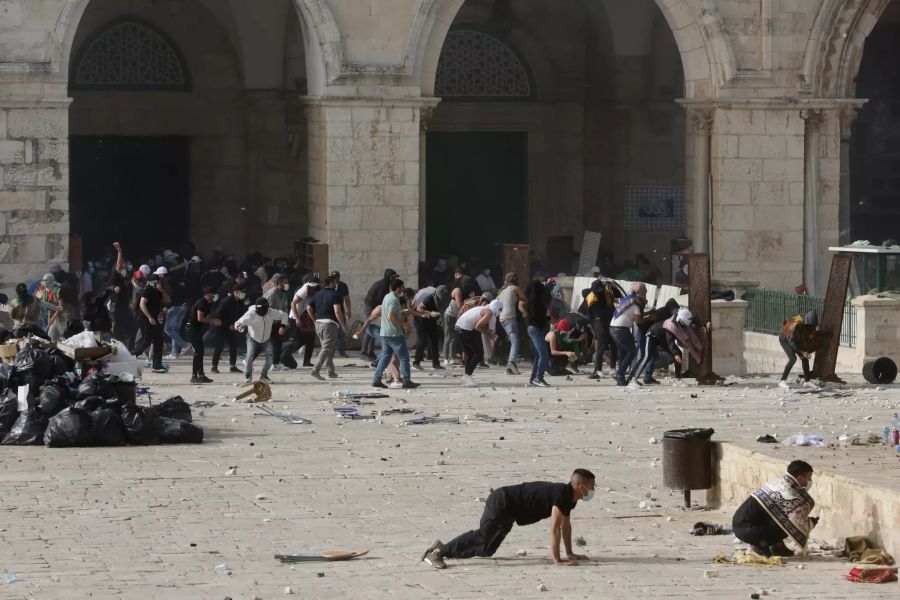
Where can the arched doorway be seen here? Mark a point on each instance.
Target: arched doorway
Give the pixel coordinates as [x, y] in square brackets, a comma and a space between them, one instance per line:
[556, 117]
[186, 126]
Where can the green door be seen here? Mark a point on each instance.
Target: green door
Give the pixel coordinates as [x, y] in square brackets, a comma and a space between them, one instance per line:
[476, 194]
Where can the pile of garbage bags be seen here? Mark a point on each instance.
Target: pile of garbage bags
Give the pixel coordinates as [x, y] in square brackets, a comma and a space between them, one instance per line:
[42, 401]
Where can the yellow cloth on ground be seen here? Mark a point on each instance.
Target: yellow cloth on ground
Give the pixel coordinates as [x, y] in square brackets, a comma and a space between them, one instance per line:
[748, 558]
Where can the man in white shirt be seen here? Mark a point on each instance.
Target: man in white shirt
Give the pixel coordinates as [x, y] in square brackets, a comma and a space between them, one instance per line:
[628, 313]
[486, 282]
[257, 322]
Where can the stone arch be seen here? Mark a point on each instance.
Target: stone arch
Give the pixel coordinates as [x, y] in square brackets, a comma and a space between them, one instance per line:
[324, 51]
[705, 54]
[835, 48]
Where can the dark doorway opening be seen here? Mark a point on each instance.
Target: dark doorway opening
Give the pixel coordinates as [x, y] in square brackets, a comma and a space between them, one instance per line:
[477, 197]
[135, 190]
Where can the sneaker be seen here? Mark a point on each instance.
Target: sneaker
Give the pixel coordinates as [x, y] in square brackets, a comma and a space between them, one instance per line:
[620, 381]
[410, 385]
[265, 379]
[762, 550]
[307, 364]
[784, 385]
[509, 371]
[446, 362]
[279, 368]
[469, 381]
[197, 380]
[780, 549]
[417, 366]
[483, 365]
[395, 385]
[530, 383]
[233, 369]
[514, 367]
[594, 375]
[438, 367]
[214, 370]
[650, 381]
[161, 370]
[541, 383]
[332, 375]
[171, 356]
[379, 384]
[206, 379]
[248, 380]
[434, 556]
[317, 375]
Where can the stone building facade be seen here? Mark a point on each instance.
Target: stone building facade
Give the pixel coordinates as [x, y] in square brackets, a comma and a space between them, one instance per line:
[729, 122]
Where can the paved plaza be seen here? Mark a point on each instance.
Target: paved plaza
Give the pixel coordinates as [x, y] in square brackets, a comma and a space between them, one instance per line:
[154, 522]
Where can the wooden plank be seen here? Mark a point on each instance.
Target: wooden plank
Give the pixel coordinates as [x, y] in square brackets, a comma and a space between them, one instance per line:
[832, 318]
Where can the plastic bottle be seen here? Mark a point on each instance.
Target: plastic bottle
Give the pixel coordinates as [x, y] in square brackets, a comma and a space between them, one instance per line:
[886, 436]
[895, 425]
[8, 576]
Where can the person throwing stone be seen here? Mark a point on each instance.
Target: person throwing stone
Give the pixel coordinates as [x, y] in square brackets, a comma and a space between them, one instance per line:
[521, 504]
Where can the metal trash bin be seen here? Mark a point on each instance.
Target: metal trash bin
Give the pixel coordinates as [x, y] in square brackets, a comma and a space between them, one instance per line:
[687, 460]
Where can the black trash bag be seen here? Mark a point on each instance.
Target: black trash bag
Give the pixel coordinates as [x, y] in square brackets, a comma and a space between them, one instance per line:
[90, 403]
[173, 431]
[697, 433]
[34, 362]
[109, 429]
[175, 408]
[60, 365]
[141, 423]
[96, 384]
[52, 398]
[28, 429]
[9, 412]
[71, 428]
[7, 375]
[56, 353]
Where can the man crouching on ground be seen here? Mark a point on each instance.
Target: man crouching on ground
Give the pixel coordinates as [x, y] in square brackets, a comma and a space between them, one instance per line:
[522, 504]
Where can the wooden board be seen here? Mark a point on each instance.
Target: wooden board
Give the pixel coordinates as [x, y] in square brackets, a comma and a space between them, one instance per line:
[832, 318]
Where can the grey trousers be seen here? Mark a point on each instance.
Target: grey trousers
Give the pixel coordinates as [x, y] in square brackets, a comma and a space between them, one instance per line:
[328, 337]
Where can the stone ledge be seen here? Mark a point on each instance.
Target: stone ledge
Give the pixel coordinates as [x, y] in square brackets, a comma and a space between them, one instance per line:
[847, 506]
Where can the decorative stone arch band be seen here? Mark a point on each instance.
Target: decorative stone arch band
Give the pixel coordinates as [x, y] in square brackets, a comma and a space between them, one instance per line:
[322, 40]
[705, 54]
[835, 48]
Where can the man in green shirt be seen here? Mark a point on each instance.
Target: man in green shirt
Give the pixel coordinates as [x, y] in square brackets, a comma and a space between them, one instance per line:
[393, 338]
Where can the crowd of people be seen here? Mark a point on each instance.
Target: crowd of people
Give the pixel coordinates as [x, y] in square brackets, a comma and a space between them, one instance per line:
[275, 308]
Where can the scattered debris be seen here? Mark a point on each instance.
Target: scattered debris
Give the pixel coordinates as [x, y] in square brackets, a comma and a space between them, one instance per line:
[767, 439]
[330, 555]
[232, 470]
[432, 420]
[710, 574]
[522, 553]
[862, 575]
[542, 588]
[805, 439]
[286, 417]
[8, 576]
[352, 413]
[580, 542]
[260, 392]
[702, 528]
[488, 418]
[222, 569]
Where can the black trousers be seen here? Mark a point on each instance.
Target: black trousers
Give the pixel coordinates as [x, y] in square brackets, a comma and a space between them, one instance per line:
[792, 359]
[197, 343]
[225, 335]
[604, 343]
[472, 346]
[153, 337]
[277, 343]
[25, 330]
[427, 334]
[496, 523]
[124, 326]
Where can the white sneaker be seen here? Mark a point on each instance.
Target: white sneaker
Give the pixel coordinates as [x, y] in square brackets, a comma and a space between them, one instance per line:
[784, 385]
[171, 356]
[469, 381]
[396, 385]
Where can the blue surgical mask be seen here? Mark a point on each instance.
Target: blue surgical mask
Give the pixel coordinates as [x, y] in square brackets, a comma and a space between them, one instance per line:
[588, 495]
[242, 295]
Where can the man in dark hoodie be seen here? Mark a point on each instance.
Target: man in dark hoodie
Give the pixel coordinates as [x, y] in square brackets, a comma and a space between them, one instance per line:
[799, 337]
[374, 297]
[227, 312]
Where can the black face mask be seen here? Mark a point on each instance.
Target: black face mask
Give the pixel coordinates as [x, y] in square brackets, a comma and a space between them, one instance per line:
[262, 310]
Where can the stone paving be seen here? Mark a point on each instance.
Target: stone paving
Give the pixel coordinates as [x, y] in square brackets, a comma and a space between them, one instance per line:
[153, 522]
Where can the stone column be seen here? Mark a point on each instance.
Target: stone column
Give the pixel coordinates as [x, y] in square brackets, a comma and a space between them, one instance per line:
[364, 186]
[813, 119]
[700, 122]
[425, 117]
[847, 115]
[34, 195]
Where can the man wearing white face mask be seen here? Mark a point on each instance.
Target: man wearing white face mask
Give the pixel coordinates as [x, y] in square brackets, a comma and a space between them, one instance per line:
[228, 311]
[521, 504]
[777, 510]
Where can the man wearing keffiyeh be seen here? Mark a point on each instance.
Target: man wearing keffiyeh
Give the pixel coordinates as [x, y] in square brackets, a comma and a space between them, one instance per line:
[777, 510]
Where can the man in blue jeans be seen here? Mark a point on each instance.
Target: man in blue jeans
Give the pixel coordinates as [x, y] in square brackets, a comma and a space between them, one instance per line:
[629, 313]
[537, 313]
[393, 338]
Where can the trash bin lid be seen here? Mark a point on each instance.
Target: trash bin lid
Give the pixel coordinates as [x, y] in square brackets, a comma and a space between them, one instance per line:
[696, 433]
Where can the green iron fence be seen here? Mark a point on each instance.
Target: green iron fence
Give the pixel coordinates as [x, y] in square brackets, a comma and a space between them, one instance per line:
[768, 308]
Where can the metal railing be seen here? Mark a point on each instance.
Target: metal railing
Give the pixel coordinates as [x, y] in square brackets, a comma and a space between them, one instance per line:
[768, 308]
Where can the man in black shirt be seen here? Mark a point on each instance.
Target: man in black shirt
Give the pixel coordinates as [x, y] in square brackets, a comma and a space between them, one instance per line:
[201, 318]
[344, 291]
[328, 313]
[537, 313]
[150, 311]
[521, 504]
[228, 311]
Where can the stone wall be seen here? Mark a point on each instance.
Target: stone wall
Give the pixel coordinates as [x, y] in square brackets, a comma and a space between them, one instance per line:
[847, 507]
[34, 197]
[364, 187]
